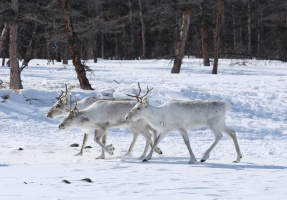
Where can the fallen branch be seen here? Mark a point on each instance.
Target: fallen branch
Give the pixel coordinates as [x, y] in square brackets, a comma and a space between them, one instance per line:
[33, 99]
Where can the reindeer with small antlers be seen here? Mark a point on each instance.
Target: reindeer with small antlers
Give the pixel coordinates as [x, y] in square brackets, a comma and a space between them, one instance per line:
[102, 114]
[61, 106]
[181, 115]
[64, 104]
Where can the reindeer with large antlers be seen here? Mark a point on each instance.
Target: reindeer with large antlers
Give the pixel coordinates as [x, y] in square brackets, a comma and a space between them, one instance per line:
[108, 113]
[181, 115]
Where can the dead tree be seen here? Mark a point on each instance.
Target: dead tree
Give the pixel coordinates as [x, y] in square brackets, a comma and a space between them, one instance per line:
[179, 52]
[3, 39]
[249, 15]
[15, 79]
[132, 38]
[216, 36]
[74, 49]
[203, 32]
[142, 29]
[29, 52]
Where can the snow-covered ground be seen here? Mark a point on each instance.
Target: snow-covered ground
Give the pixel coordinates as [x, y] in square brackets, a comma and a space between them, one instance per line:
[257, 92]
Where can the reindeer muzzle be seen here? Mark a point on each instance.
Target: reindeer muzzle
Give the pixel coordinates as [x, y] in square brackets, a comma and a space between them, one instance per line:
[49, 115]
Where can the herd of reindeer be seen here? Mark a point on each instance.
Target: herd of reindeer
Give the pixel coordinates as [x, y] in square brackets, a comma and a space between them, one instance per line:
[140, 117]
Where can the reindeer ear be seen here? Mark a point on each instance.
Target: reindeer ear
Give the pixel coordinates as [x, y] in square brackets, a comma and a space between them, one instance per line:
[64, 100]
[145, 100]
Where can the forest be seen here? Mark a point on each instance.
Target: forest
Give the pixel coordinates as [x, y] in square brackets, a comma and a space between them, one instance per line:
[59, 30]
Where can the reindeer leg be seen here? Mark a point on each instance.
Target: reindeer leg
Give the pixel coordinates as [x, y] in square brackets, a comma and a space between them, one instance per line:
[107, 148]
[232, 134]
[187, 143]
[156, 142]
[135, 136]
[218, 135]
[147, 136]
[86, 135]
[157, 149]
[104, 139]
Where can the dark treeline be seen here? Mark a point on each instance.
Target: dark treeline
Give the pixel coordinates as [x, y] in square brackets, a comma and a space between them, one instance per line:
[125, 29]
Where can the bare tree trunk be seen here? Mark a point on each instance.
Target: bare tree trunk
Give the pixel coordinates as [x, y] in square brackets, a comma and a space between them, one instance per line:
[84, 49]
[15, 79]
[80, 70]
[175, 33]
[241, 22]
[249, 27]
[3, 60]
[64, 53]
[30, 48]
[285, 29]
[204, 36]
[48, 48]
[216, 36]
[94, 36]
[234, 28]
[58, 52]
[259, 24]
[116, 48]
[132, 38]
[95, 50]
[142, 30]
[3, 38]
[125, 46]
[102, 46]
[3, 41]
[179, 53]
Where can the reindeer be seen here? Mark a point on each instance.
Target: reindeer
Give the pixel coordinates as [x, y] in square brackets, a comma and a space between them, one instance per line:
[103, 115]
[64, 104]
[181, 115]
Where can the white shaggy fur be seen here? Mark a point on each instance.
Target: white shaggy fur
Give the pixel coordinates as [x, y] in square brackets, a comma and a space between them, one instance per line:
[181, 115]
[105, 114]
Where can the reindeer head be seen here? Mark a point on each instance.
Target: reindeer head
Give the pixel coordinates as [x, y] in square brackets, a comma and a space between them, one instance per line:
[75, 119]
[61, 107]
[135, 112]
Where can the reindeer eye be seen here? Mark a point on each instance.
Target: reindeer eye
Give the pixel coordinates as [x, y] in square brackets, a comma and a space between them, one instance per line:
[138, 108]
[58, 106]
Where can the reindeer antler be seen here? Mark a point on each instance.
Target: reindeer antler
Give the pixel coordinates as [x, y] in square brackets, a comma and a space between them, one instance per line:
[136, 96]
[60, 96]
[139, 99]
[64, 93]
[75, 108]
[147, 91]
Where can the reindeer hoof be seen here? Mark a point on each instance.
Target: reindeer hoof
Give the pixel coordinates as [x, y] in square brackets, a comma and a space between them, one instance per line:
[158, 150]
[101, 157]
[202, 160]
[144, 160]
[142, 157]
[128, 154]
[110, 149]
[238, 159]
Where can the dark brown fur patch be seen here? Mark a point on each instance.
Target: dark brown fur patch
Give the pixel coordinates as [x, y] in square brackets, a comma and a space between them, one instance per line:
[85, 119]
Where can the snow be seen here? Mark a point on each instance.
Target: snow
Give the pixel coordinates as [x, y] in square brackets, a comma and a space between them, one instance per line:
[257, 92]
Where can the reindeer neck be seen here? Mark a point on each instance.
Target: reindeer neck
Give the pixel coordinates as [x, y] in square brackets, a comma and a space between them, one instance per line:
[153, 112]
